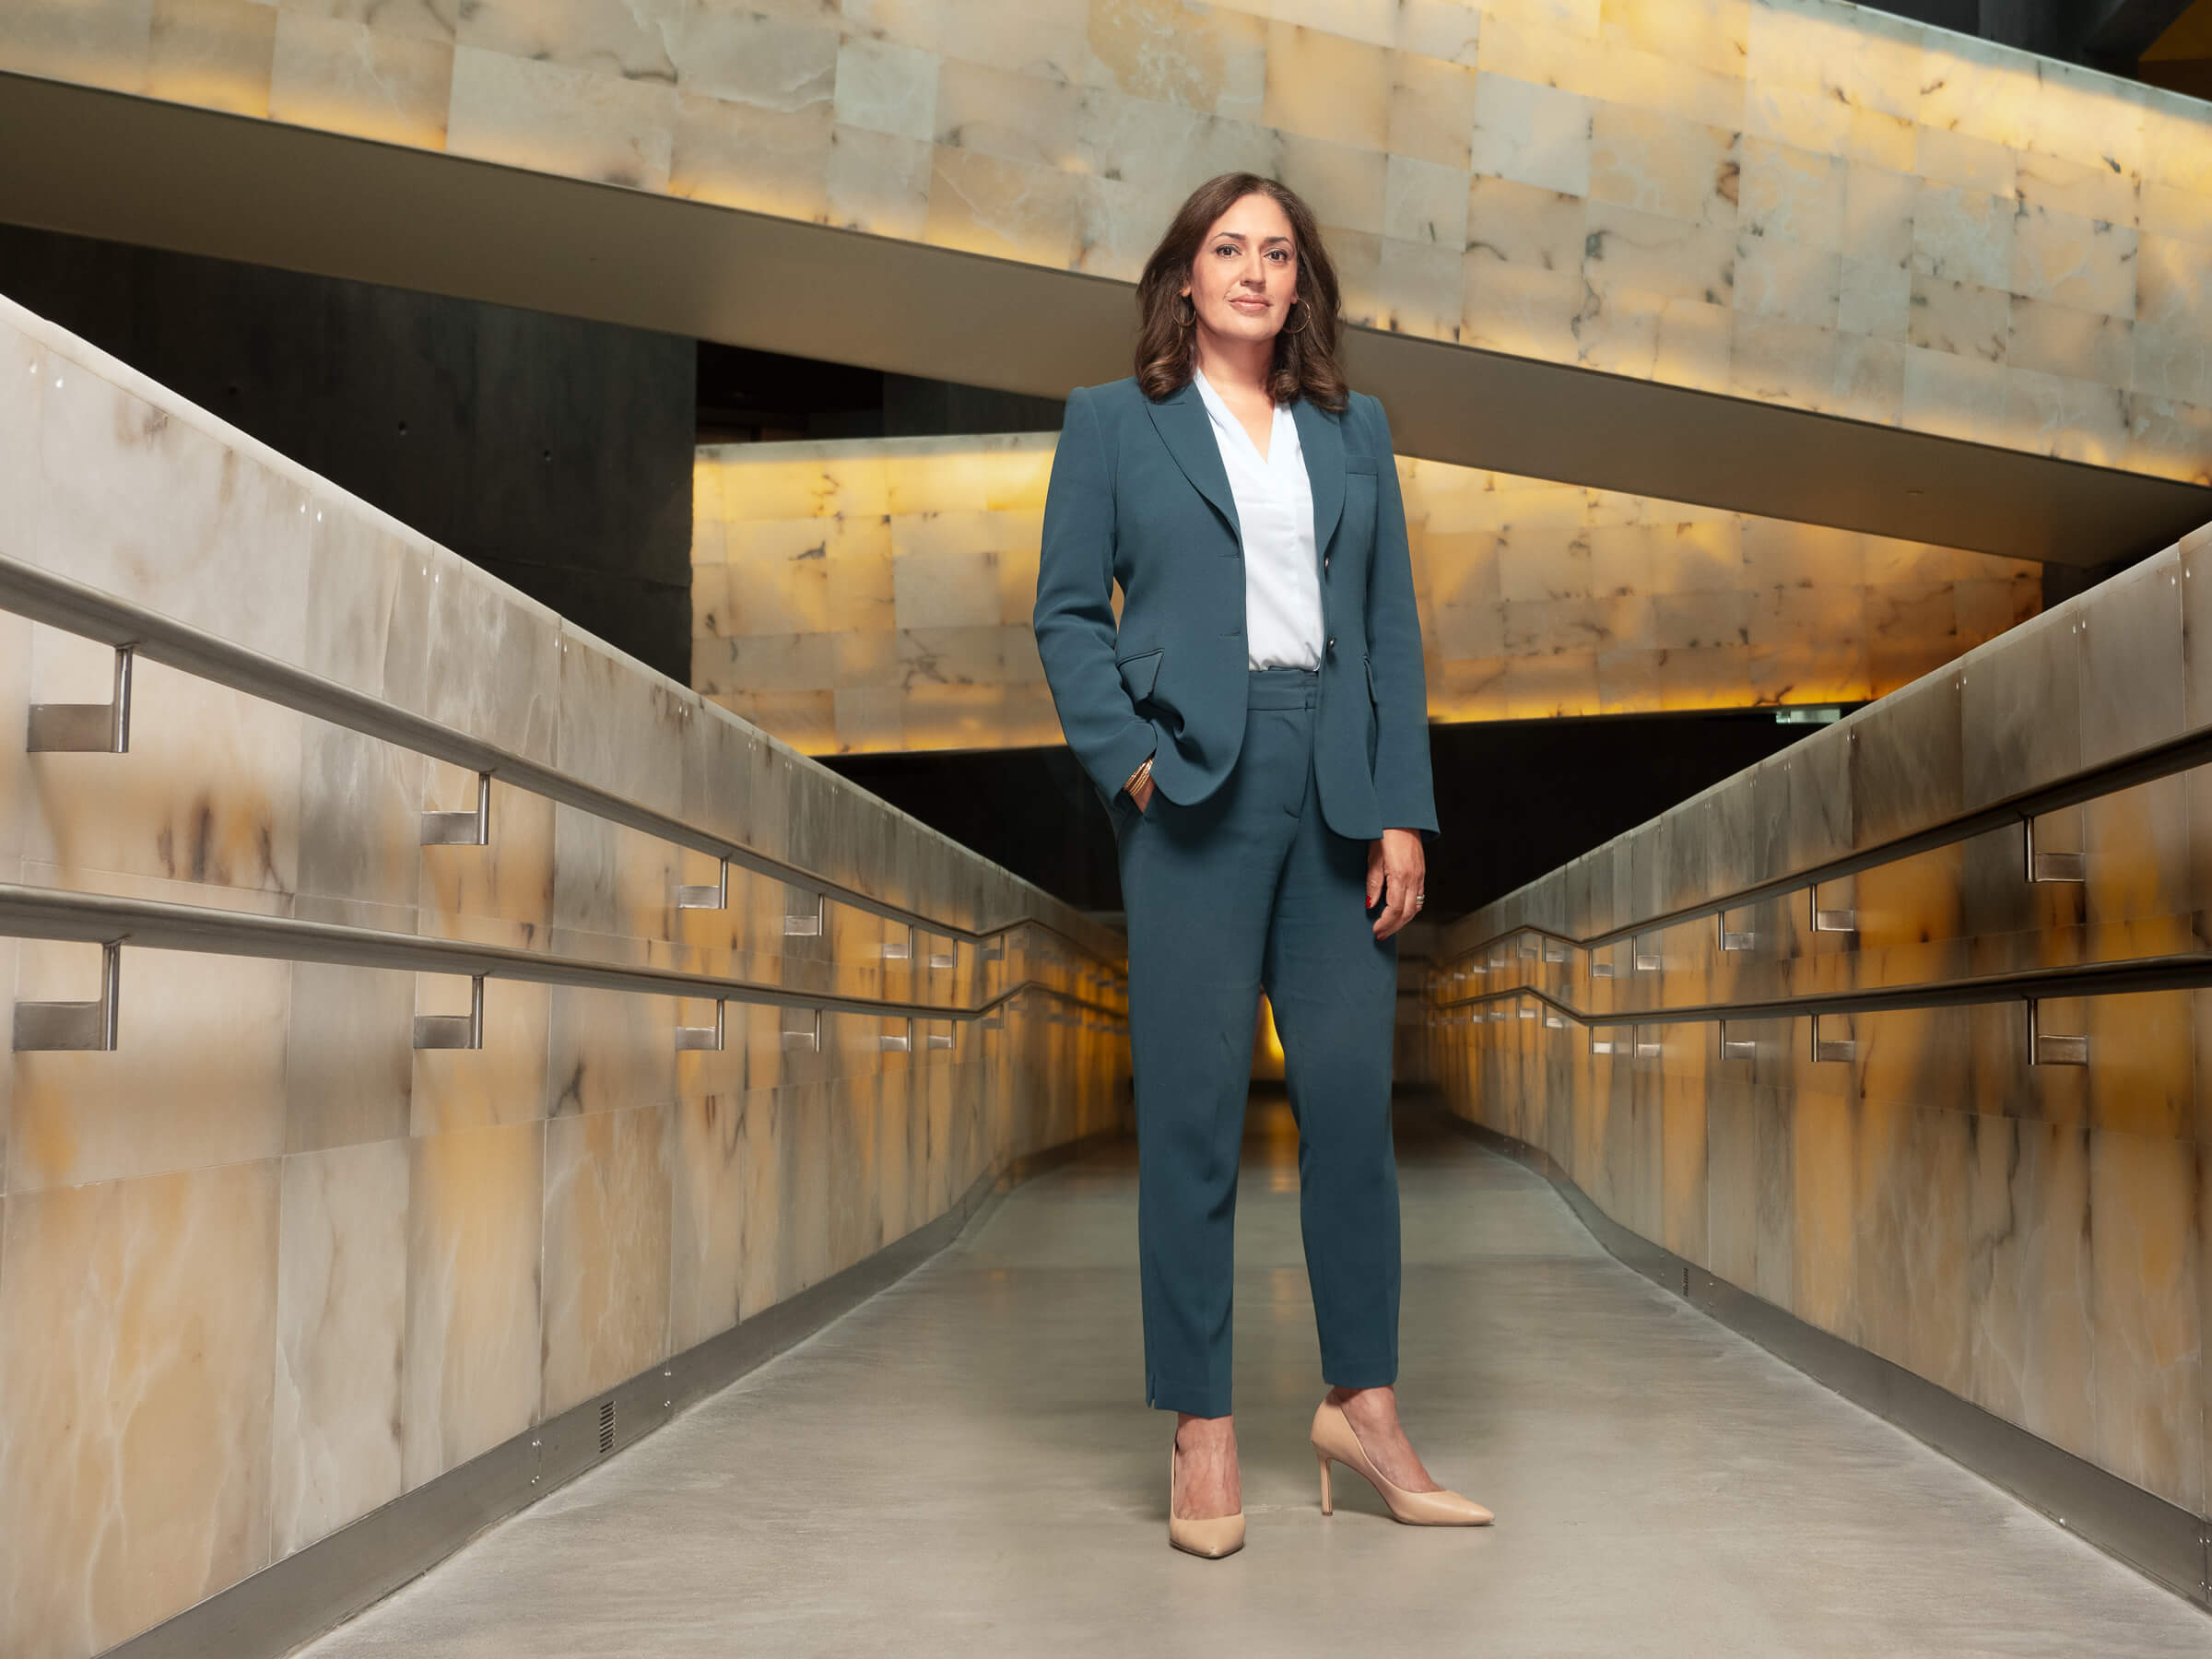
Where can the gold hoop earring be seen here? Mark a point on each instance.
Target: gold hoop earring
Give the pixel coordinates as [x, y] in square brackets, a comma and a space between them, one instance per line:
[1301, 328]
[1181, 321]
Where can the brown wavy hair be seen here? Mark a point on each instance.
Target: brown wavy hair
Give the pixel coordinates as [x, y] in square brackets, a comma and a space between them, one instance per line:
[1305, 362]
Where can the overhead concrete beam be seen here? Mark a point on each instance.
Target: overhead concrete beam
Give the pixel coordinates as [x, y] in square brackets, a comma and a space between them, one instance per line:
[104, 164]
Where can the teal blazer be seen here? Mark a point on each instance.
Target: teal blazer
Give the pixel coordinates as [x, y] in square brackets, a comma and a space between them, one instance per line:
[1139, 497]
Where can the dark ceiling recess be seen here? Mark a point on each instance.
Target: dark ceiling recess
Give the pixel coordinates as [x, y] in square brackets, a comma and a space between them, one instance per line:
[1516, 798]
[765, 397]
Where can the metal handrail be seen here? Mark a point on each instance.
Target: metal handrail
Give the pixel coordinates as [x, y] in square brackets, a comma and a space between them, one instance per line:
[54, 913]
[2145, 765]
[2125, 977]
[61, 603]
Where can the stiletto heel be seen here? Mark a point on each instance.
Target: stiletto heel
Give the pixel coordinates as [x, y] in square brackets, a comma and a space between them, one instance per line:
[1213, 1538]
[1333, 1436]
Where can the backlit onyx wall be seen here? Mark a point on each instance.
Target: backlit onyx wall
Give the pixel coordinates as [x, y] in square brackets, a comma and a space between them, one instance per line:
[1516, 799]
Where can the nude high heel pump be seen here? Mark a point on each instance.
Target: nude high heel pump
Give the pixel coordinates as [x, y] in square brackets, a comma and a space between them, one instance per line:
[1334, 1439]
[1214, 1537]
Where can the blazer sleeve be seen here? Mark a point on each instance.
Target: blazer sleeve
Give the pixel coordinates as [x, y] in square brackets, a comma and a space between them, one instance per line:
[1403, 787]
[1073, 616]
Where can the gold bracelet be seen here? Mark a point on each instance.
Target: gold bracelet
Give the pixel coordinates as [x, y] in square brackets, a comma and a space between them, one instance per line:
[1143, 771]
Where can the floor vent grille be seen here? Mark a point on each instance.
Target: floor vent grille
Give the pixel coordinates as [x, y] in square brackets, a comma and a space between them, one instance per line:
[607, 1427]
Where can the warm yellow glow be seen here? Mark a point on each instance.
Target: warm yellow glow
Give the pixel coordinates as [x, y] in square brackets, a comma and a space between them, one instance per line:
[872, 595]
[1792, 204]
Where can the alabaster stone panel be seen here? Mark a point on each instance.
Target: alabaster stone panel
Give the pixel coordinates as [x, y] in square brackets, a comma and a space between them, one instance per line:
[1854, 155]
[472, 1364]
[2131, 684]
[505, 1082]
[138, 1346]
[340, 1266]
[606, 1250]
[707, 1201]
[609, 1052]
[208, 795]
[197, 1078]
[349, 1060]
[1907, 763]
[498, 893]
[369, 81]
[341, 1320]
[2021, 704]
[141, 501]
[467, 651]
[842, 626]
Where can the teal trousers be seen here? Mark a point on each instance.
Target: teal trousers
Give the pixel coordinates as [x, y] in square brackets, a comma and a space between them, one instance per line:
[1245, 891]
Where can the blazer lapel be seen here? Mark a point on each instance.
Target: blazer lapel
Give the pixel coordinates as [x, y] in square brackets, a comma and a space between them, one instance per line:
[1321, 436]
[1188, 432]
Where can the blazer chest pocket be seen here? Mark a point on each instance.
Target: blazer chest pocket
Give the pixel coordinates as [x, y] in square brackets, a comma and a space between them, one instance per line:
[1364, 464]
[1139, 673]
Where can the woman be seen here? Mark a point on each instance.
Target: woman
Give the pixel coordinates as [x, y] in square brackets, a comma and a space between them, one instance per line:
[1257, 726]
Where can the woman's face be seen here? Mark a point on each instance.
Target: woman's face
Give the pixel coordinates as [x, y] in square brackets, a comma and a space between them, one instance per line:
[1246, 273]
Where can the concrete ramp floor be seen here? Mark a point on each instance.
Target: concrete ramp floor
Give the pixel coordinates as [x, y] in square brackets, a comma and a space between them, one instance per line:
[964, 1465]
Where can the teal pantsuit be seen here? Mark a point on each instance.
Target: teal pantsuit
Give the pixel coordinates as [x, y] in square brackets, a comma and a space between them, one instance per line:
[1249, 867]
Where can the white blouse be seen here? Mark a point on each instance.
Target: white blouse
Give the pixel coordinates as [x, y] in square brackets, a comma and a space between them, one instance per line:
[1275, 512]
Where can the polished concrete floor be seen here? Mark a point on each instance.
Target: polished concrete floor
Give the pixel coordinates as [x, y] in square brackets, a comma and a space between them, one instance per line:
[964, 1465]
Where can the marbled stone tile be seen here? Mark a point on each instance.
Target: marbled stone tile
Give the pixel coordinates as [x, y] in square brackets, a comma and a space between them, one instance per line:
[1213, 62]
[505, 1082]
[606, 1250]
[501, 892]
[1433, 112]
[105, 45]
[1907, 765]
[610, 1050]
[15, 765]
[2078, 262]
[740, 154]
[349, 1060]
[767, 1217]
[983, 204]
[368, 82]
[354, 560]
[2019, 704]
[359, 829]
[413, 20]
[475, 1206]
[1731, 1176]
[620, 728]
[2132, 683]
[469, 652]
[2145, 1253]
[138, 1349]
[341, 1313]
[886, 86]
[878, 183]
[140, 502]
[554, 118]
[1532, 135]
[215, 54]
[1825, 1205]
[707, 1203]
[630, 42]
[197, 1078]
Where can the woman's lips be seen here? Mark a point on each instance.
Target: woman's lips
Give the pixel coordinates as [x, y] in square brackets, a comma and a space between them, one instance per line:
[1250, 305]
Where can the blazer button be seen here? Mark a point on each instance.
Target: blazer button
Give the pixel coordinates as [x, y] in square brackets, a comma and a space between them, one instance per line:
[1331, 646]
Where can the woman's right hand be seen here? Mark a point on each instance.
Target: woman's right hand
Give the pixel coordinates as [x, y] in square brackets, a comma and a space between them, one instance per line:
[1142, 793]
